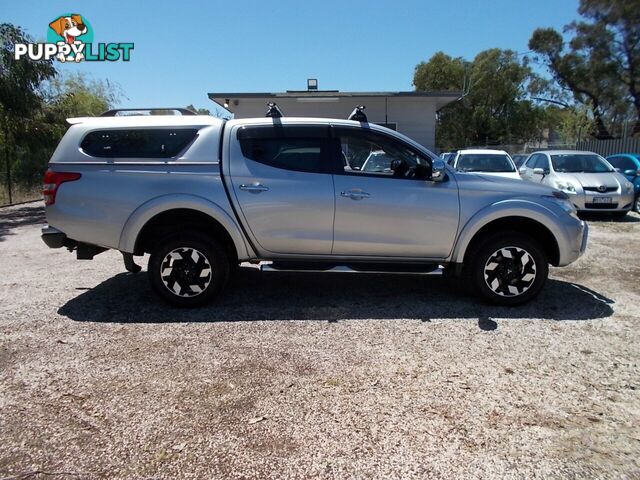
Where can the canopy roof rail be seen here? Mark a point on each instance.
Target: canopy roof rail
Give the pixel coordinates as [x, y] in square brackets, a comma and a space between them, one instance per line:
[115, 111]
[273, 111]
[358, 114]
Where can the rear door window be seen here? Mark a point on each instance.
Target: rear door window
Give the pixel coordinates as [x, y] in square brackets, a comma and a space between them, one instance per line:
[138, 142]
[298, 148]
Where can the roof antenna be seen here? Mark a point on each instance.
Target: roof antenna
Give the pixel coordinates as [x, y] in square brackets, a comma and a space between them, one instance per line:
[358, 114]
[273, 111]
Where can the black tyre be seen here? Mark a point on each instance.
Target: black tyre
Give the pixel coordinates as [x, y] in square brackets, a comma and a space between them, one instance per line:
[636, 204]
[188, 269]
[507, 269]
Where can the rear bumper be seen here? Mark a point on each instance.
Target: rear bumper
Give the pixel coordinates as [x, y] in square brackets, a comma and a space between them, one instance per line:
[53, 237]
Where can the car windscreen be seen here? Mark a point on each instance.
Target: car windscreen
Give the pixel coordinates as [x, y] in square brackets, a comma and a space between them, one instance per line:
[579, 163]
[484, 162]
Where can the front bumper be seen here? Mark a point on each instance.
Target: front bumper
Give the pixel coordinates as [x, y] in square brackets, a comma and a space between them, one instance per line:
[576, 237]
[588, 202]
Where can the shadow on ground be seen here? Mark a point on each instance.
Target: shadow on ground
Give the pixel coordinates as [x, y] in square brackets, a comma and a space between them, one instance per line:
[630, 217]
[14, 217]
[252, 295]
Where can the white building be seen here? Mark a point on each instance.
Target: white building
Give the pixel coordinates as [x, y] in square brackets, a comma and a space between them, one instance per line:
[410, 113]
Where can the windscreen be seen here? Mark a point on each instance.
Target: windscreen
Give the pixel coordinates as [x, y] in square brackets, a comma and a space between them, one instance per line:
[484, 162]
[579, 163]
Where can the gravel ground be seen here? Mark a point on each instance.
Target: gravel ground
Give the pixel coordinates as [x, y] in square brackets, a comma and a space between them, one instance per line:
[306, 375]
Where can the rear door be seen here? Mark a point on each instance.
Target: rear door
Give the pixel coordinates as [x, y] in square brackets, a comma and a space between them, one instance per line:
[281, 180]
[384, 209]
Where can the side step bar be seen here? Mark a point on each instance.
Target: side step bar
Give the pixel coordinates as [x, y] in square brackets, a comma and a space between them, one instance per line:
[345, 269]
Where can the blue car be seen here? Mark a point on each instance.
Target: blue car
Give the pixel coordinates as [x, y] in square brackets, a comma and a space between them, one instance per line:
[629, 165]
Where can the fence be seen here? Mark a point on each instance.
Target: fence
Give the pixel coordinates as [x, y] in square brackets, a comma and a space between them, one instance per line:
[610, 147]
[18, 193]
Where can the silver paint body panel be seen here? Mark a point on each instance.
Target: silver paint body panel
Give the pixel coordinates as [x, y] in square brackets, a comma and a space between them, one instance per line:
[282, 214]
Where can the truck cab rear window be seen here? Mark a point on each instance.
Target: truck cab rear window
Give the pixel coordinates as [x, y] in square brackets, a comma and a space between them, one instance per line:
[139, 142]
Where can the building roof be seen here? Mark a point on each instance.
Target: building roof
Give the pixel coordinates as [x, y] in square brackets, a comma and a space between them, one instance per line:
[333, 93]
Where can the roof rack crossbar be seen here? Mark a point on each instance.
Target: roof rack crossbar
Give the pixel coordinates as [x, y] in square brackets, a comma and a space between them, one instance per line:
[113, 112]
[358, 114]
[273, 111]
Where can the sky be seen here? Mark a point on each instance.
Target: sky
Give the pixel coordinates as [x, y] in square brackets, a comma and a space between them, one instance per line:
[185, 49]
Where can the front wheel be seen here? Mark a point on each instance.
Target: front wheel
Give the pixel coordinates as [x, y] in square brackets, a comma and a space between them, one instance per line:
[188, 269]
[508, 269]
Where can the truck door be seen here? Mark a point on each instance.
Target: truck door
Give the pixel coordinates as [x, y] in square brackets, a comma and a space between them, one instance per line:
[384, 207]
[281, 180]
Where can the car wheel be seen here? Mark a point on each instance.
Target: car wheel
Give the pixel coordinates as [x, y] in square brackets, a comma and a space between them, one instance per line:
[636, 204]
[508, 269]
[188, 269]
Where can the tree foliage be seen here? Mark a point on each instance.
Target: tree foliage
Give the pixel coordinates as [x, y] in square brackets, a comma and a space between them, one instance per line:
[494, 107]
[600, 63]
[35, 101]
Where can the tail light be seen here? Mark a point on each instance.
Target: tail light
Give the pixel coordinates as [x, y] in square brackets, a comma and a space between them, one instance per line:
[52, 181]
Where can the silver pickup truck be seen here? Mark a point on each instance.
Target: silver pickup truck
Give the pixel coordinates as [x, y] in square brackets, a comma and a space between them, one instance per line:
[201, 195]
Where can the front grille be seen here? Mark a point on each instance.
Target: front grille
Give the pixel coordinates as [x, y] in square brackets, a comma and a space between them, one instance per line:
[601, 206]
[595, 189]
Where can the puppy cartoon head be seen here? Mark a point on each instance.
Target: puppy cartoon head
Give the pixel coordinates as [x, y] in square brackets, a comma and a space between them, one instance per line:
[69, 27]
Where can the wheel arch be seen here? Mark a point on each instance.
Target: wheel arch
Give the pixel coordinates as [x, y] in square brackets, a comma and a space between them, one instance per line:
[532, 220]
[169, 213]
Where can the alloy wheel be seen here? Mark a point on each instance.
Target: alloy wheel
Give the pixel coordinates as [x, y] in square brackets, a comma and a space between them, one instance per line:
[510, 271]
[186, 272]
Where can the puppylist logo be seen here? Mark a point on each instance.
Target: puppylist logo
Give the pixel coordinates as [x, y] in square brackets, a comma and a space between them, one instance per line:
[70, 39]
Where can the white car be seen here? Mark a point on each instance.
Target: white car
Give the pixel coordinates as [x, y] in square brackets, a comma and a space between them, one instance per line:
[485, 162]
[593, 185]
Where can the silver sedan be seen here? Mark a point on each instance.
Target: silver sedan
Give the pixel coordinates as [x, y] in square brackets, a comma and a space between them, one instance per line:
[590, 181]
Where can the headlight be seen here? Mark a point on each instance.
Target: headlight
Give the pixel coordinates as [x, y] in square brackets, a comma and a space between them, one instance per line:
[629, 187]
[562, 199]
[566, 187]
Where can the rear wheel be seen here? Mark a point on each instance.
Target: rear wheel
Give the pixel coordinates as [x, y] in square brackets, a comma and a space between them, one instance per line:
[188, 269]
[636, 204]
[508, 269]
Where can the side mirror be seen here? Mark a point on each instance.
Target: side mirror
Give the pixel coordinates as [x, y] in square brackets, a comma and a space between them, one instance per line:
[538, 171]
[631, 173]
[438, 170]
[523, 170]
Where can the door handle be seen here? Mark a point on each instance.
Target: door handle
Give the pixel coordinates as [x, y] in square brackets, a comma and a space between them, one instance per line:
[254, 187]
[355, 194]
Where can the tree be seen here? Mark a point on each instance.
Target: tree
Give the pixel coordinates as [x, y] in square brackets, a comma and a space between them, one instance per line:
[20, 98]
[494, 107]
[441, 72]
[199, 111]
[600, 64]
[63, 97]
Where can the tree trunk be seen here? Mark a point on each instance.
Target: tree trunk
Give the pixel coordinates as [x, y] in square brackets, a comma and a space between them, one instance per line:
[602, 133]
